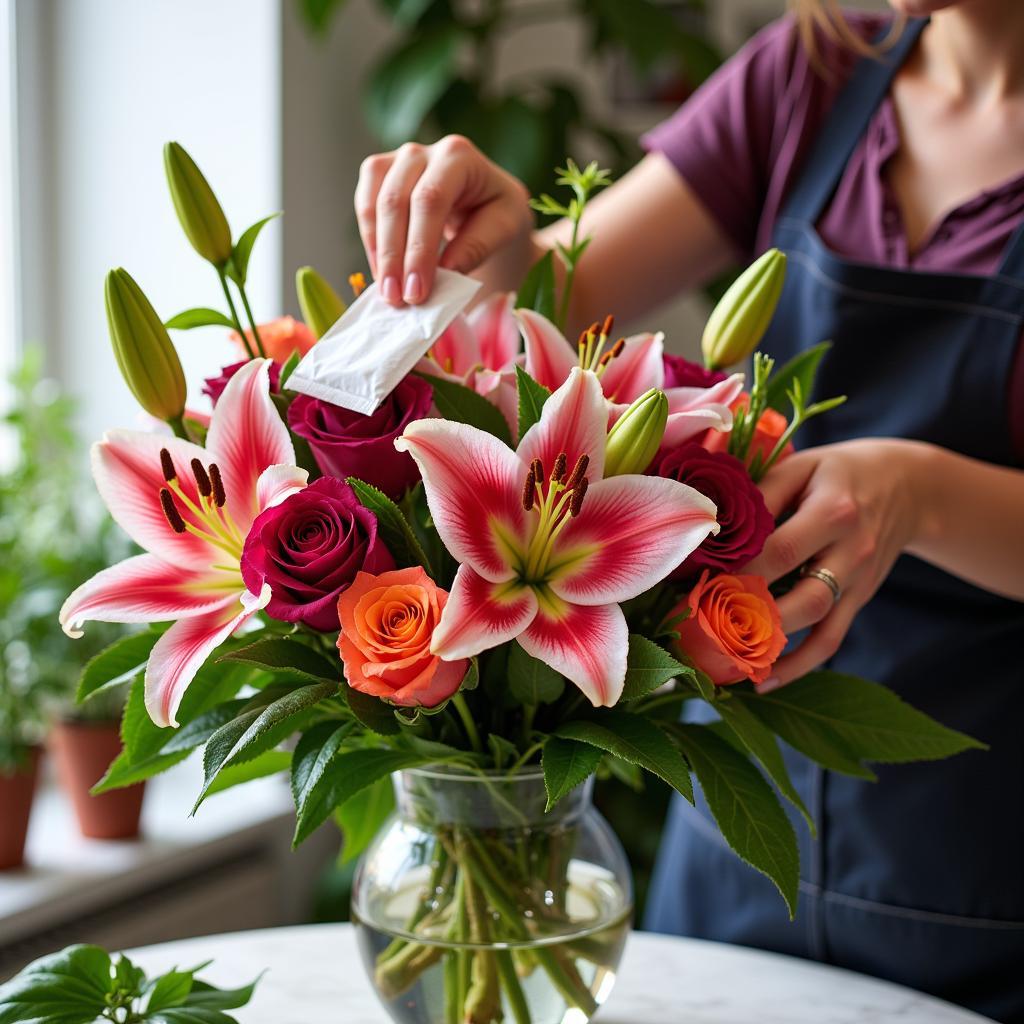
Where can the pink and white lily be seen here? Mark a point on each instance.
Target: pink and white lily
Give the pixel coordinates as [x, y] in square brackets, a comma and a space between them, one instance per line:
[636, 368]
[479, 351]
[191, 509]
[548, 549]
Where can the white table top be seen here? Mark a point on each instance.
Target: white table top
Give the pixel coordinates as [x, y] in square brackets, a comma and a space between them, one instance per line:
[315, 974]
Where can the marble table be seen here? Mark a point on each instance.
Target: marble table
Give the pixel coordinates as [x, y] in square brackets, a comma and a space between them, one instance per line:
[315, 976]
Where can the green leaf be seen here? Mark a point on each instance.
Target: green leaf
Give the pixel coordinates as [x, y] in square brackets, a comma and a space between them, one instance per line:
[115, 664]
[201, 316]
[374, 713]
[647, 30]
[362, 816]
[69, 987]
[270, 762]
[287, 658]
[566, 764]
[318, 13]
[406, 84]
[190, 1015]
[459, 404]
[289, 368]
[238, 266]
[210, 997]
[123, 772]
[635, 739]
[170, 989]
[347, 774]
[394, 528]
[802, 367]
[258, 729]
[406, 12]
[760, 741]
[139, 736]
[313, 753]
[649, 666]
[127, 976]
[503, 751]
[532, 397]
[537, 292]
[745, 807]
[530, 680]
[837, 719]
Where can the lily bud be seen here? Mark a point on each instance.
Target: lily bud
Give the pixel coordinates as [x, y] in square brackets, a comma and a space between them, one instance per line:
[198, 210]
[636, 435]
[737, 324]
[320, 303]
[143, 348]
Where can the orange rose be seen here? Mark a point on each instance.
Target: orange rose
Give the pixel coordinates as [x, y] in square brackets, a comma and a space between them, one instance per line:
[387, 622]
[280, 338]
[770, 427]
[733, 630]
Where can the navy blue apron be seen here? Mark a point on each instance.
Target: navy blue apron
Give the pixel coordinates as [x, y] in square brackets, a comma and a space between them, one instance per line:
[918, 878]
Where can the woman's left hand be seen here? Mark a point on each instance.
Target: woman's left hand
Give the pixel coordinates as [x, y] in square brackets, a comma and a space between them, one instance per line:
[856, 508]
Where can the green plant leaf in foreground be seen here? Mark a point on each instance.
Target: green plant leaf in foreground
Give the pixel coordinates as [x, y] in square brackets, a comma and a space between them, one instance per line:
[566, 764]
[532, 397]
[530, 680]
[69, 987]
[537, 291]
[115, 664]
[459, 404]
[649, 666]
[362, 815]
[395, 531]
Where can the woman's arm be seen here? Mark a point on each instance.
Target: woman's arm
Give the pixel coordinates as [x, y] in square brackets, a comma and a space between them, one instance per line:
[859, 505]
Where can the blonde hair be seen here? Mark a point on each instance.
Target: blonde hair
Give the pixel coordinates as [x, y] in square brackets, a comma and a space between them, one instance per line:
[824, 18]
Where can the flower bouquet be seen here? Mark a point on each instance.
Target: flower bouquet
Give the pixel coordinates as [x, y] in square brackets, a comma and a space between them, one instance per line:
[446, 616]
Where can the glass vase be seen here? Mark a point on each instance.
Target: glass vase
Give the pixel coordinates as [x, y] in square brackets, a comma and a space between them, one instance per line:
[475, 904]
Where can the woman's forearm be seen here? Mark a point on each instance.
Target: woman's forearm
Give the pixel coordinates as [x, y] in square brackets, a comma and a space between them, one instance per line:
[971, 518]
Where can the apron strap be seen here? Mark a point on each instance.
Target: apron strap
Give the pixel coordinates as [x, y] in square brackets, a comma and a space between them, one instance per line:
[844, 126]
[1013, 258]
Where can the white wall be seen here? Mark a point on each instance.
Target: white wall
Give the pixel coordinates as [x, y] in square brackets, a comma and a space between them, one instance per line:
[121, 78]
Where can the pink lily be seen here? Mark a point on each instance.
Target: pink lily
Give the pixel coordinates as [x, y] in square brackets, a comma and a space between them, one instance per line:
[479, 351]
[635, 368]
[191, 509]
[548, 549]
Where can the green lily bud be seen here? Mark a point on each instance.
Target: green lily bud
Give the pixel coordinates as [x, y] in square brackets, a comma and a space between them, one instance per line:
[320, 303]
[198, 210]
[143, 348]
[737, 324]
[636, 435]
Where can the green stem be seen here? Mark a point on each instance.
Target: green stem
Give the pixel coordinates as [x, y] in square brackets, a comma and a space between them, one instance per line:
[177, 424]
[467, 722]
[526, 757]
[570, 273]
[514, 991]
[234, 313]
[252, 323]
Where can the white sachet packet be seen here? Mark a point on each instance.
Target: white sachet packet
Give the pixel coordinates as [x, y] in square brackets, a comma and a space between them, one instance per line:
[362, 358]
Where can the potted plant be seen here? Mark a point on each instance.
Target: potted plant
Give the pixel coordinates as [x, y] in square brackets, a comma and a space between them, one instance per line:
[19, 767]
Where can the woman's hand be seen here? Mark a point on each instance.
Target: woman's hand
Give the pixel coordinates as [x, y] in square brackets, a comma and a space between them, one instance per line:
[858, 505]
[409, 200]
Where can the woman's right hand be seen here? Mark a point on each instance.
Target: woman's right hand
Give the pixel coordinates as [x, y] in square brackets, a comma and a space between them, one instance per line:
[411, 199]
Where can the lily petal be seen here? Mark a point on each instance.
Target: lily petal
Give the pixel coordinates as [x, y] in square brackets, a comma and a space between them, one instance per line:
[181, 651]
[587, 644]
[631, 531]
[246, 435]
[496, 330]
[126, 467]
[549, 357]
[457, 351]
[636, 369]
[276, 483]
[474, 487]
[146, 589]
[574, 421]
[480, 615]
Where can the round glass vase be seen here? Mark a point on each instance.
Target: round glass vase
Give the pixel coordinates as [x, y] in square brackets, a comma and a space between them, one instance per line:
[476, 905]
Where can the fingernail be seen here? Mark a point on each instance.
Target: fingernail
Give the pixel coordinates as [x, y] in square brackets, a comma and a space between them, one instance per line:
[413, 288]
[389, 290]
[771, 683]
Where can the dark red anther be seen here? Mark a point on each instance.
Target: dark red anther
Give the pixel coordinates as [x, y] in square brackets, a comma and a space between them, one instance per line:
[593, 329]
[171, 511]
[167, 465]
[578, 472]
[616, 349]
[538, 470]
[606, 327]
[217, 484]
[606, 359]
[528, 489]
[558, 469]
[578, 494]
[202, 480]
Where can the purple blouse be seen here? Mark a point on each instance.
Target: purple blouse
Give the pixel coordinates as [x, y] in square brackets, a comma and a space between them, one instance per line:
[741, 140]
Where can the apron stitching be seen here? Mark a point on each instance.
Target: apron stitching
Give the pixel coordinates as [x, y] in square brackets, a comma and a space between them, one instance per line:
[895, 300]
[936, 917]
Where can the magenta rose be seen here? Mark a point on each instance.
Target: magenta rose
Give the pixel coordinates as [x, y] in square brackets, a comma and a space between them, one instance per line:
[681, 373]
[309, 548]
[347, 443]
[214, 386]
[743, 517]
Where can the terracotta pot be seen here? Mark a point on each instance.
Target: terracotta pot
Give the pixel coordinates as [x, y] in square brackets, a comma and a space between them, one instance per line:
[16, 792]
[83, 752]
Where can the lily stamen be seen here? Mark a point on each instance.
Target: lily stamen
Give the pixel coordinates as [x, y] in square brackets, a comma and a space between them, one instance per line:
[558, 470]
[528, 489]
[174, 519]
[578, 472]
[202, 480]
[219, 495]
[167, 465]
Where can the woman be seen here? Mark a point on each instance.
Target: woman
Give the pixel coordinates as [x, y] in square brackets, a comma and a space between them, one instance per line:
[893, 177]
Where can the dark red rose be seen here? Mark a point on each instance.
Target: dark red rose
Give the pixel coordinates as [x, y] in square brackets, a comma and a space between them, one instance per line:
[681, 373]
[214, 386]
[309, 549]
[742, 514]
[347, 443]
